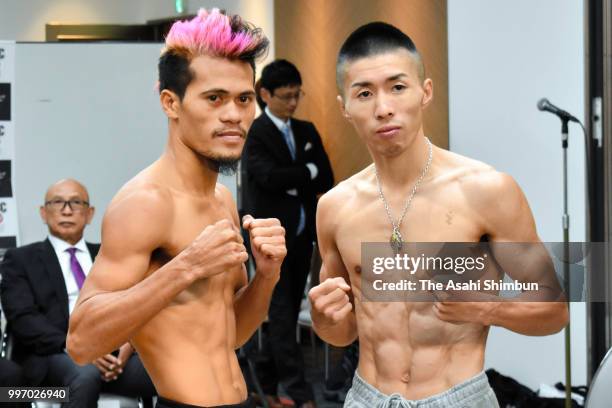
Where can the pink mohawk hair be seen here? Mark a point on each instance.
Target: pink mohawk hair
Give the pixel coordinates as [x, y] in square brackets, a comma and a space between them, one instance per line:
[214, 33]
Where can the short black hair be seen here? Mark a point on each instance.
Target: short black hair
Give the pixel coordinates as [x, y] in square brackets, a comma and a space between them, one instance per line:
[374, 39]
[174, 73]
[279, 73]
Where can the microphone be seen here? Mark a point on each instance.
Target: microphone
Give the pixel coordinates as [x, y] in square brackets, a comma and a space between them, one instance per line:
[545, 105]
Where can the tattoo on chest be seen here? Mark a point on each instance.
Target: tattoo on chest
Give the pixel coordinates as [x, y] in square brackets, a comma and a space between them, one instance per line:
[449, 218]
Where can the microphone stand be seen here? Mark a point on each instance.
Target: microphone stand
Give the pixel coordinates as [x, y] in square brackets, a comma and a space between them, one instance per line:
[545, 105]
[566, 283]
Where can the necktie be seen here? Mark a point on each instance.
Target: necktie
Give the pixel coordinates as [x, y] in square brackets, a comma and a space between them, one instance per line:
[289, 140]
[75, 266]
[302, 221]
[291, 145]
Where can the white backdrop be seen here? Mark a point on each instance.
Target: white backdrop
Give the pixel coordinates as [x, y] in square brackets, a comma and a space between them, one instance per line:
[9, 231]
[504, 57]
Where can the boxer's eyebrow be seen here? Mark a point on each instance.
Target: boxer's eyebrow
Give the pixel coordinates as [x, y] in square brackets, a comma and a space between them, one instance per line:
[215, 90]
[388, 79]
[360, 84]
[396, 77]
[222, 91]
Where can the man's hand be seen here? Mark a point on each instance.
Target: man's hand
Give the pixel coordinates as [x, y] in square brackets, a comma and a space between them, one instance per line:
[267, 244]
[217, 249]
[110, 366]
[330, 301]
[451, 307]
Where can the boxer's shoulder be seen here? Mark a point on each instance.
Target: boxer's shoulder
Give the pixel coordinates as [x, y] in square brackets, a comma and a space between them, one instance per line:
[472, 176]
[345, 199]
[352, 188]
[338, 198]
[142, 204]
[492, 194]
[145, 194]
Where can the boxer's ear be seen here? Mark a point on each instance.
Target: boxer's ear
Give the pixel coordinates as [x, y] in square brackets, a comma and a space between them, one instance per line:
[343, 108]
[427, 93]
[170, 103]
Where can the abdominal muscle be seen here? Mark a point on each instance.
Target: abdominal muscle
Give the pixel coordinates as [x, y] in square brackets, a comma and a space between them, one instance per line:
[406, 349]
[188, 349]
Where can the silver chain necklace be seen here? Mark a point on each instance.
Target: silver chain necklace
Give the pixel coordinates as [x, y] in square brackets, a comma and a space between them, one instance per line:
[396, 239]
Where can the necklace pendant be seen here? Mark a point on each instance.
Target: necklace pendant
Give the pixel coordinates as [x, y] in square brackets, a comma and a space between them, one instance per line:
[396, 240]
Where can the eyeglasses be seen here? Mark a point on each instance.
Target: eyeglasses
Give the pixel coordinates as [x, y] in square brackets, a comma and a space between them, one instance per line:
[287, 98]
[74, 204]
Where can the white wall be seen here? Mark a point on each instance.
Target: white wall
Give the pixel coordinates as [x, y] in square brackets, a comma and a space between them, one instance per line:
[24, 20]
[89, 118]
[503, 57]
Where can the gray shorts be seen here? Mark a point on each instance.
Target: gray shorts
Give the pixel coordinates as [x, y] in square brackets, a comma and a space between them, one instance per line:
[473, 393]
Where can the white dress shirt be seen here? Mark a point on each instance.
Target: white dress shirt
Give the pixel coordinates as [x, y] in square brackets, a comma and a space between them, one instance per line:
[279, 123]
[83, 256]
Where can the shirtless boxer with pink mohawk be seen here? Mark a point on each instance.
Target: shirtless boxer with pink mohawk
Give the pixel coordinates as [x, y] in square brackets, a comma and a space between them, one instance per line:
[170, 276]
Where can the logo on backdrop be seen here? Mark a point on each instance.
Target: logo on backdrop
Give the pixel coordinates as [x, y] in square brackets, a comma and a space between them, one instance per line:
[2, 212]
[2, 53]
[5, 101]
[5, 243]
[6, 188]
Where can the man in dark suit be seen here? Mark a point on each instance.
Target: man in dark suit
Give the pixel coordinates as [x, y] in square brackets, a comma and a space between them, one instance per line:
[40, 286]
[285, 169]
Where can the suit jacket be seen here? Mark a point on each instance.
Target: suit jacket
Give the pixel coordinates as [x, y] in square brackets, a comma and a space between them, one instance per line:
[35, 301]
[268, 171]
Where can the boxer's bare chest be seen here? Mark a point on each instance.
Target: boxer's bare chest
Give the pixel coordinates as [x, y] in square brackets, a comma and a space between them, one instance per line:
[191, 216]
[439, 213]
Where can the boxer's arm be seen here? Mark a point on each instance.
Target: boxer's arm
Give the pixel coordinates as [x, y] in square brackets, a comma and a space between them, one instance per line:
[117, 299]
[344, 332]
[251, 305]
[508, 218]
[252, 299]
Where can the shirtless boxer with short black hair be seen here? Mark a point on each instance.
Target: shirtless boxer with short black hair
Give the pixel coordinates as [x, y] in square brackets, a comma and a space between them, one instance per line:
[412, 354]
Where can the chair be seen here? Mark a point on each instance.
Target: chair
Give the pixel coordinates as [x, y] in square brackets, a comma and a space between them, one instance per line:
[600, 392]
[6, 347]
[305, 321]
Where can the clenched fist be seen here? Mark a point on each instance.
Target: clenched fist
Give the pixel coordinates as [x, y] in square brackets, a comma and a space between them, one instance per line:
[330, 301]
[217, 249]
[267, 244]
